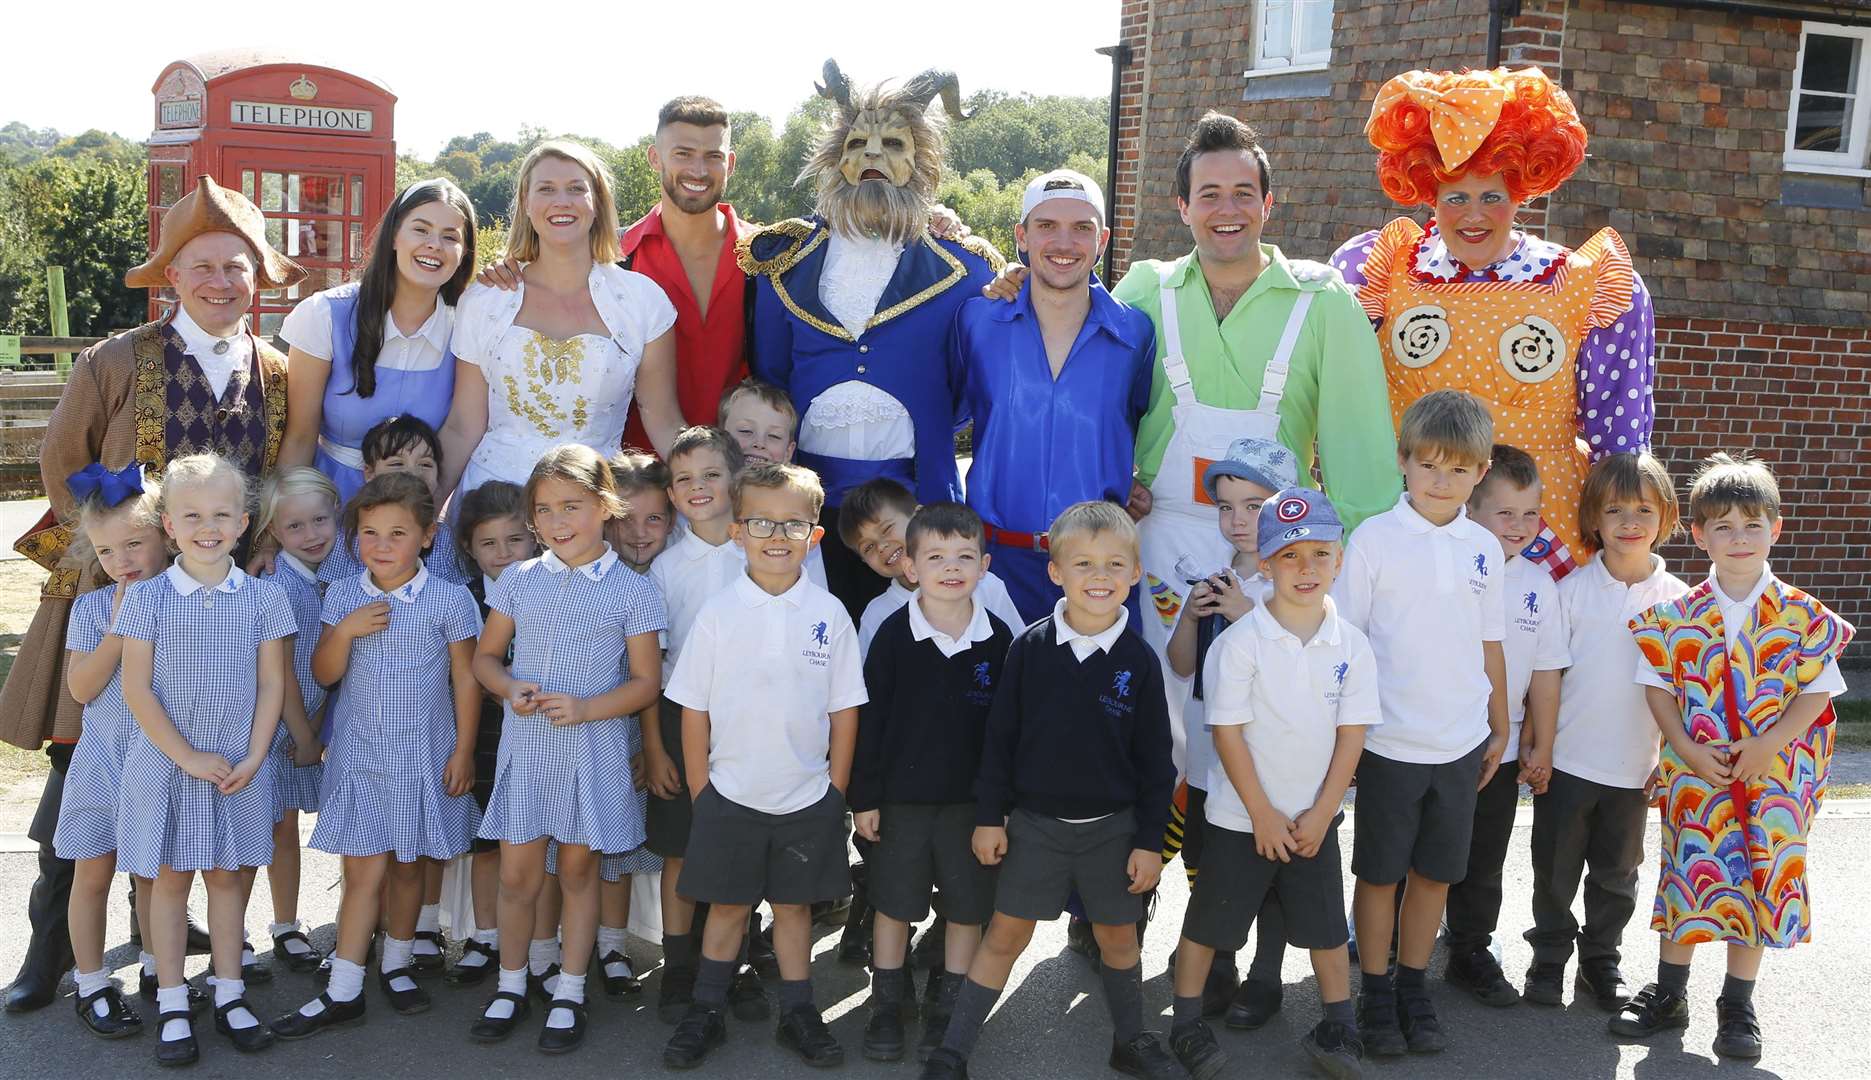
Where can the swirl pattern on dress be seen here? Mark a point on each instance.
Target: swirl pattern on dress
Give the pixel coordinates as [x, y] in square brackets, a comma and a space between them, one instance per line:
[1420, 335]
[1533, 350]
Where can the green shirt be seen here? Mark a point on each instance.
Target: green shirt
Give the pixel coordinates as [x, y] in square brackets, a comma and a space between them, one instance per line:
[1350, 426]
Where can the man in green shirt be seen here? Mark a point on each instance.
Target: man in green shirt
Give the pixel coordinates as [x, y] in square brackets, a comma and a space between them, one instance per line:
[1251, 343]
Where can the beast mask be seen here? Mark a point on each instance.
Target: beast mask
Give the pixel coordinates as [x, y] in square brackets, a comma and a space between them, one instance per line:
[879, 160]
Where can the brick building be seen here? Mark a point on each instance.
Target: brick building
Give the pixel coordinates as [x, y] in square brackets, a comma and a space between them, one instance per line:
[1747, 206]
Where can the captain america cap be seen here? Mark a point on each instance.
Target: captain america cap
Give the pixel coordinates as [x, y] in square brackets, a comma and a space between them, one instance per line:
[1296, 514]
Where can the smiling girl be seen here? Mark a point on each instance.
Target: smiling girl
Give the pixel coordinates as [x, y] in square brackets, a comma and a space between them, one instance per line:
[378, 347]
[204, 673]
[396, 790]
[585, 659]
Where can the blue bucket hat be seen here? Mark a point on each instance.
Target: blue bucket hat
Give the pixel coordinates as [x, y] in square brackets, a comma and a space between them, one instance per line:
[1257, 461]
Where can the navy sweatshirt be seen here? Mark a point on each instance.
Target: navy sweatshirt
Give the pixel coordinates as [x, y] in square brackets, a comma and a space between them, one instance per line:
[1078, 739]
[919, 736]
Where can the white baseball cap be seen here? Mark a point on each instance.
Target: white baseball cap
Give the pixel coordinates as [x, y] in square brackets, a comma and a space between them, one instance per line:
[1062, 184]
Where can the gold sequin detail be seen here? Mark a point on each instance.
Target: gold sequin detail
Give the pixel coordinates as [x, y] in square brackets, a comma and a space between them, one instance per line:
[547, 364]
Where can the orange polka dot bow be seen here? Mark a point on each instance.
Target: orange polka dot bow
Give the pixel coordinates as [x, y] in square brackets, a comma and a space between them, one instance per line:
[1460, 117]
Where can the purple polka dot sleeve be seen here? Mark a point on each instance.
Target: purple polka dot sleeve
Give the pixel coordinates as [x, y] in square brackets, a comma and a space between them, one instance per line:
[1616, 370]
[1349, 258]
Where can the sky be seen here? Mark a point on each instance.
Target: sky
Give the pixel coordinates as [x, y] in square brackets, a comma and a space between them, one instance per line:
[760, 55]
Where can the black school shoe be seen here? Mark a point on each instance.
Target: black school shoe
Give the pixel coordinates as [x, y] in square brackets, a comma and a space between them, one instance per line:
[1601, 981]
[802, 1030]
[1335, 1051]
[488, 1029]
[256, 973]
[249, 1040]
[296, 1025]
[1254, 1004]
[1737, 1032]
[119, 1019]
[883, 1032]
[675, 994]
[406, 1002]
[1654, 1009]
[1219, 988]
[747, 998]
[760, 948]
[1546, 983]
[473, 974]
[1480, 974]
[1195, 1047]
[297, 962]
[938, 1005]
[425, 963]
[1146, 1056]
[700, 1031]
[197, 997]
[1422, 1030]
[537, 983]
[563, 1040]
[945, 1064]
[1378, 1026]
[174, 1052]
[625, 984]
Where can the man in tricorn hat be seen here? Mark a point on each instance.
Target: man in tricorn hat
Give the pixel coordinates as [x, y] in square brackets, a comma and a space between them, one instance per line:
[197, 380]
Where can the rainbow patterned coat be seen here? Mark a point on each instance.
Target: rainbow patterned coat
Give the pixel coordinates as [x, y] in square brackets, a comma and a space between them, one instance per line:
[1734, 857]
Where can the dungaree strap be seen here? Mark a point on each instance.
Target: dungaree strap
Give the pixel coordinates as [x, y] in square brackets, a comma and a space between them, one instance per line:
[1273, 383]
[1175, 368]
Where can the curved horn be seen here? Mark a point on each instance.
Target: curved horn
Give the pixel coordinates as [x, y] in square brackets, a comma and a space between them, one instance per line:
[924, 88]
[837, 87]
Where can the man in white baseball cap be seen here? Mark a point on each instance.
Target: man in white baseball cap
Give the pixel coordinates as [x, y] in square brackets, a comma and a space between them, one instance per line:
[1056, 382]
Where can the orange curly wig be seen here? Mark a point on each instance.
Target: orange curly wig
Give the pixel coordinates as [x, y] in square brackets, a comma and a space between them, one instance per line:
[1535, 145]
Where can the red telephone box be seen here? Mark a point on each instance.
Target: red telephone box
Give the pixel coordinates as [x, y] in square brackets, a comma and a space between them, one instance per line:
[312, 146]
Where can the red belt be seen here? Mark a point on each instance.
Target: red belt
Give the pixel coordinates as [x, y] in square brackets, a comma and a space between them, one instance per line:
[1008, 538]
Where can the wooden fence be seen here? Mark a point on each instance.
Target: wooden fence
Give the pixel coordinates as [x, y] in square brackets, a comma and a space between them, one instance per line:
[27, 396]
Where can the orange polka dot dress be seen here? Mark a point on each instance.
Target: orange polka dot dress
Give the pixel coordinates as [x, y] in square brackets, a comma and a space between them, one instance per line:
[1528, 348]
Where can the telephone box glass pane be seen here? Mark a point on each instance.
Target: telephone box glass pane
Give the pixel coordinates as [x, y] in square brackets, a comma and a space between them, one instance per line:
[270, 322]
[168, 184]
[276, 235]
[321, 195]
[246, 184]
[357, 242]
[357, 196]
[272, 191]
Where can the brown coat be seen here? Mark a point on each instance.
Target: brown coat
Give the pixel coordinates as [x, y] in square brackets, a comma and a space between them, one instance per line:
[111, 411]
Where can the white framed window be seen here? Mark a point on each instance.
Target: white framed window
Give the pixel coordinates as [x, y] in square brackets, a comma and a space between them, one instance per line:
[1829, 113]
[1290, 35]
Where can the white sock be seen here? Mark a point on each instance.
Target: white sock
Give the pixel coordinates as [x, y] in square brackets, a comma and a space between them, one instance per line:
[293, 947]
[611, 940]
[472, 959]
[171, 999]
[148, 962]
[430, 917]
[396, 953]
[511, 982]
[247, 955]
[226, 990]
[91, 982]
[570, 988]
[541, 954]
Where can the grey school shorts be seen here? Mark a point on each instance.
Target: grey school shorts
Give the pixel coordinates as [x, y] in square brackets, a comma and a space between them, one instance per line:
[920, 845]
[1412, 816]
[666, 821]
[1047, 859]
[738, 855]
[1235, 882]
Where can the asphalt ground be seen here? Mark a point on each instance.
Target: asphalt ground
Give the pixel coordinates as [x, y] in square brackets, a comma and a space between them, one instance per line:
[1051, 1022]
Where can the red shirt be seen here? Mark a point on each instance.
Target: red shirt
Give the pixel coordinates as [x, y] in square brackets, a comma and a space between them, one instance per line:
[709, 353]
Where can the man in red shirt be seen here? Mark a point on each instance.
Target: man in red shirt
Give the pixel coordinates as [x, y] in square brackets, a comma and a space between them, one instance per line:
[686, 245]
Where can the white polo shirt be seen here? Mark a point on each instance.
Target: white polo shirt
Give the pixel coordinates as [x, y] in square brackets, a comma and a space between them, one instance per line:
[689, 572]
[1289, 698]
[1426, 596]
[991, 594]
[769, 671]
[1535, 641]
[1737, 615]
[1606, 734]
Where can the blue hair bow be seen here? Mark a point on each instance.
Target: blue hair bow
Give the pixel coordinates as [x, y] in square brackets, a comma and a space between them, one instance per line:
[111, 488]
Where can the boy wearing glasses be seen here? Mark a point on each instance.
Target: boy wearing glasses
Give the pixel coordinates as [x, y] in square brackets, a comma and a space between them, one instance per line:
[769, 682]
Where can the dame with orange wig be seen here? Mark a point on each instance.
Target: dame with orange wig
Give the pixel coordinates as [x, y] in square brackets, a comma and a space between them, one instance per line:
[1557, 341]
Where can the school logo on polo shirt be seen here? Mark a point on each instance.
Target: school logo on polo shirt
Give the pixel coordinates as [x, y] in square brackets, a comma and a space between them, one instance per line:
[1478, 581]
[1336, 692]
[1527, 619]
[983, 676]
[817, 647]
[981, 692]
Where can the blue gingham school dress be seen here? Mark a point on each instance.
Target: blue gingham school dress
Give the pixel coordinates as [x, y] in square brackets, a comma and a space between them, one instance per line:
[396, 726]
[207, 644]
[617, 865]
[571, 784]
[298, 785]
[87, 815]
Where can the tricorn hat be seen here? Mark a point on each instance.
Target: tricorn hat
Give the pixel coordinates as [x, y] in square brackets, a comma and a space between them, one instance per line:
[213, 208]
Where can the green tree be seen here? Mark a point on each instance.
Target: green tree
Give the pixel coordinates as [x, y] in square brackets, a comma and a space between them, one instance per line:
[462, 165]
